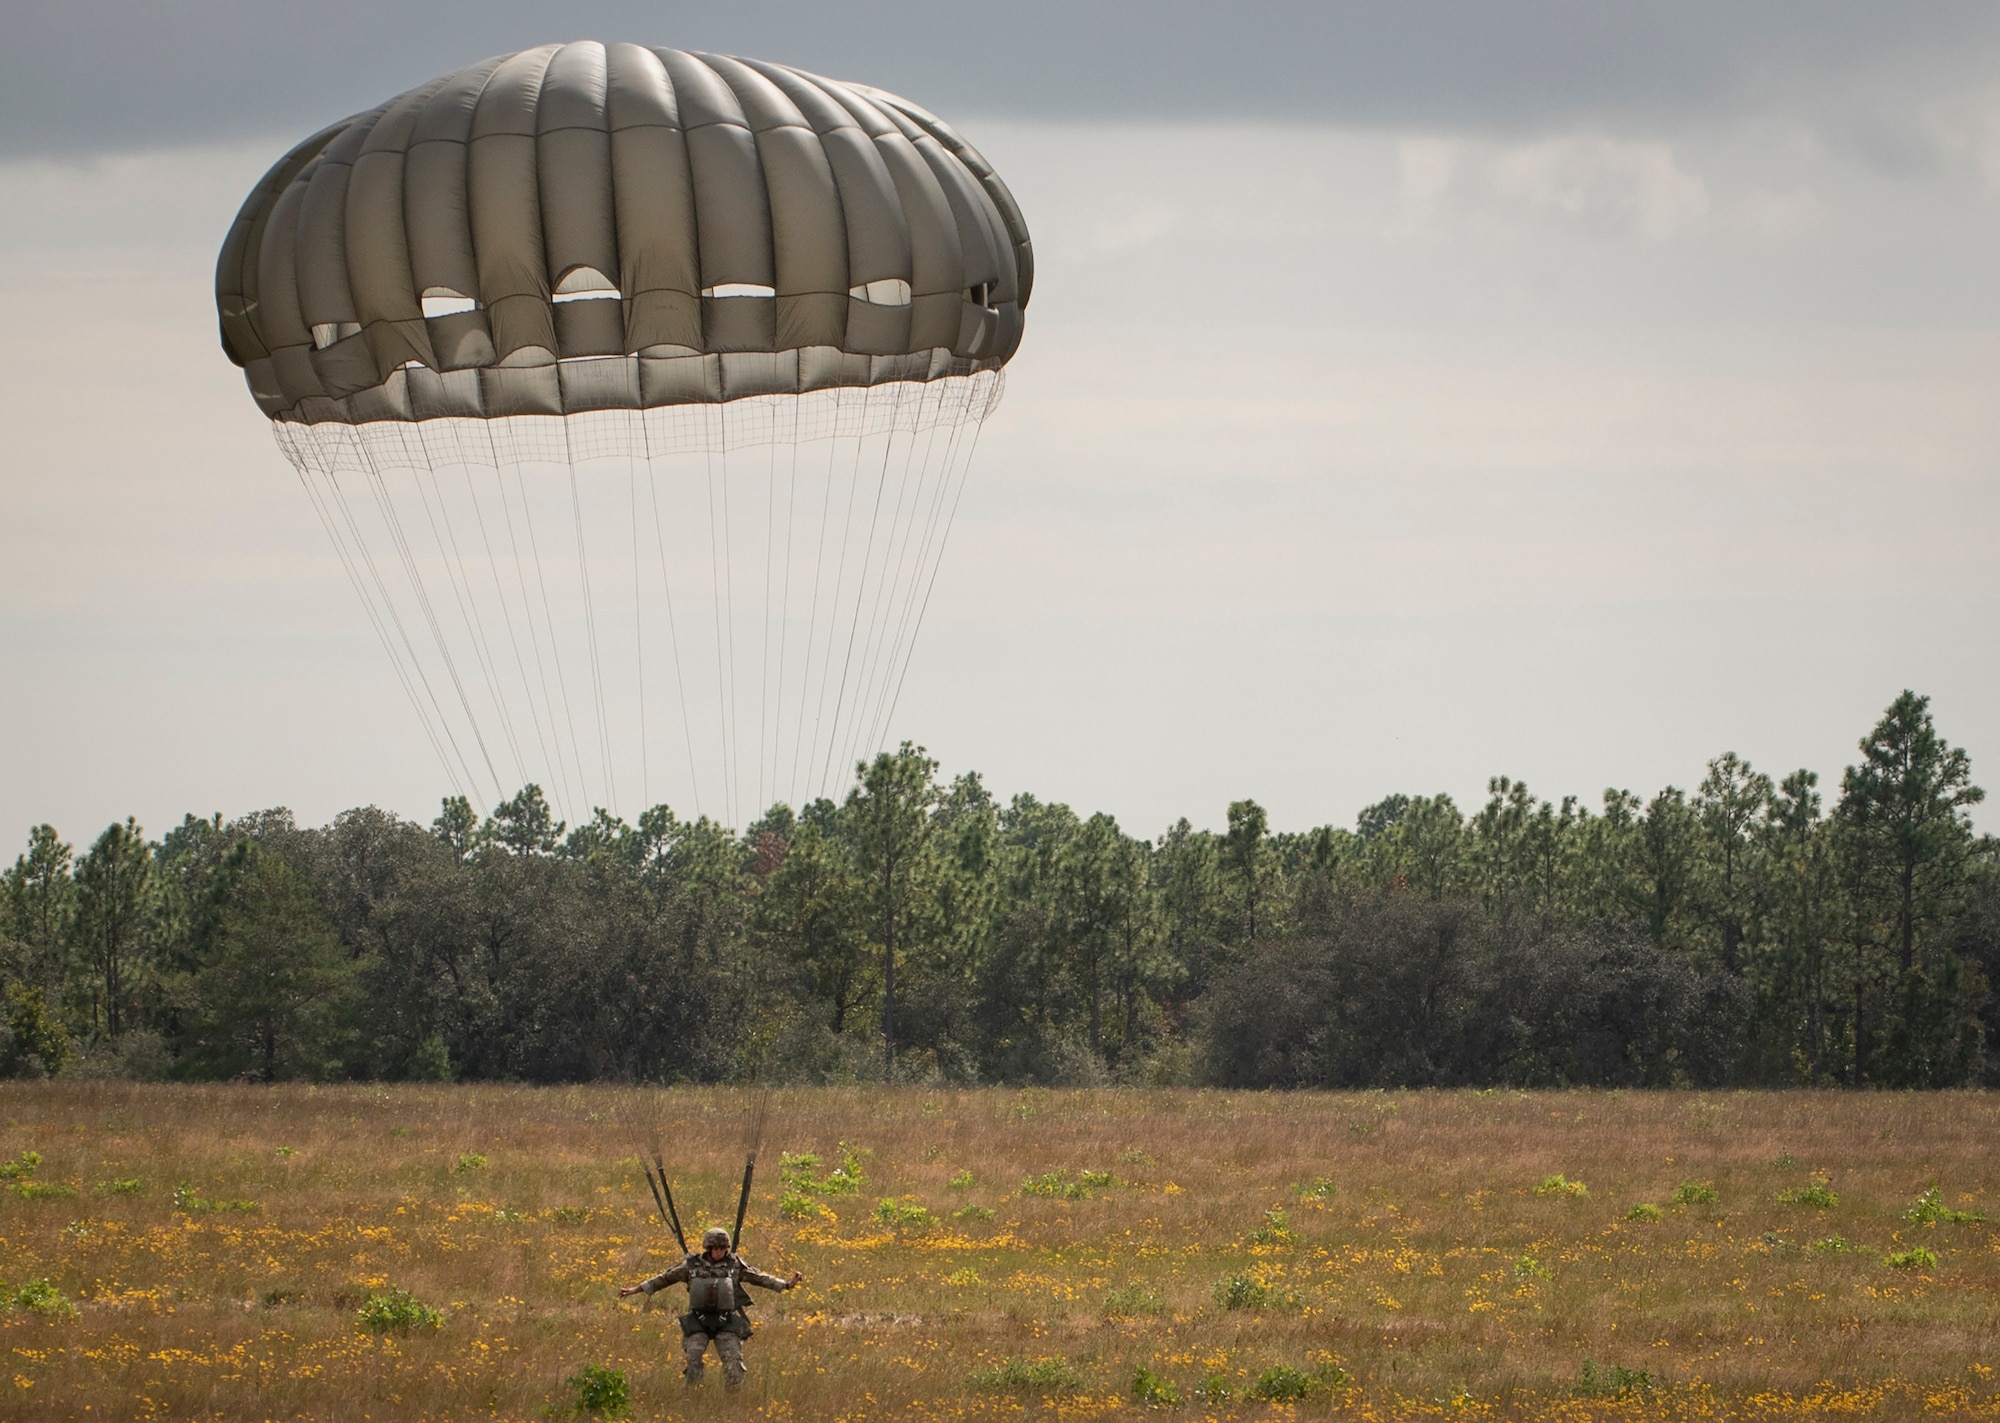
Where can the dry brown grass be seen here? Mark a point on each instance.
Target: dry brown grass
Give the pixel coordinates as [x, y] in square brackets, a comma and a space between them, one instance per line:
[1410, 1276]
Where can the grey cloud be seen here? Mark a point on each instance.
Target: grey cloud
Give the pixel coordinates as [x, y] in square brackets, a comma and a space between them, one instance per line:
[93, 75]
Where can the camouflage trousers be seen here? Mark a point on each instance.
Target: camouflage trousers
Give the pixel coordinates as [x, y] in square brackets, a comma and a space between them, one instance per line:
[728, 1348]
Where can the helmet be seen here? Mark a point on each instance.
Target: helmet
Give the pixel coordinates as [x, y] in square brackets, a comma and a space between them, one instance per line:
[715, 1237]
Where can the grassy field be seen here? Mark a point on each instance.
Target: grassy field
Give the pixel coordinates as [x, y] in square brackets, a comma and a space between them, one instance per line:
[207, 1252]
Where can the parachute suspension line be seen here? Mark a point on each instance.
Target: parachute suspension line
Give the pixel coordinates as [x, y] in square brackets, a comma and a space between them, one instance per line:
[717, 576]
[812, 622]
[555, 643]
[901, 527]
[860, 591]
[386, 506]
[543, 711]
[923, 510]
[764, 647]
[506, 609]
[320, 502]
[929, 555]
[785, 603]
[673, 629]
[438, 513]
[833, 613]
[638, 611]
[951, 517]
[590, 627]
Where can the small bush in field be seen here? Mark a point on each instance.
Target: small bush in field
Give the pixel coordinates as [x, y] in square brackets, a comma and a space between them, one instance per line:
[1645, 1210]
[1915, 1258]
[1614, 1381]
[188, 1203]
[601, 1390]
[1930, 1209]
[41, 1297]
[796, 1205]
[1694, 1193]
[1561, 1185]
[131, 1186]
[1282, 1383]
[471, 1161]
[1045, 1374]
[1529, 1268]
[960, 1181]
[973, 1213]
[904, 1215]
[1317, 1191]
[42, 1191]
[1152, 1389]
[397, 1310]
[1249, 1292]
[20, 1168]
[1833, 1245]
[1059, 1185]
[1132, 1300]
[1818, 1193]
[569, 1215]
[1276, 1229]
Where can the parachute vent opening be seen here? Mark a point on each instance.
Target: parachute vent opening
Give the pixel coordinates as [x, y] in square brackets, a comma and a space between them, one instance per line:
[439, 302]
[981, 295]
[891, 291]
[738, 289]
[585, 284]
[325, 333]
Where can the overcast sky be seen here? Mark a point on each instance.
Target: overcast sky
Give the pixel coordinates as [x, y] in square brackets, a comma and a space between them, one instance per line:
[1412, 393]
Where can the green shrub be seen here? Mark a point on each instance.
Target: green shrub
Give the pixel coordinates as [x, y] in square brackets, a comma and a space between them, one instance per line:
[973, 1213]
[1561, 1185]
[1833, 1245]
[904, 1215]
[799, 1171]
[1215, 1388]
[1818, 1194]
[1915, 1258]
[471, 1161]
[1150, 1388]
[1613, 1382]
[1529, 1268]
[797, 1205]
[1274, 1231]
[1012, 1374]
[1059, 1186]
[1133, 1300]
[397, 1310]
[129, 1187]
[42, 1191]
[1645, 1210]
[960, 1181]
[1318, 1190]
[1249, 1292]
[1282, 1383]
[569, 1215]
[41, 1297]
[188, 1203]
[1930, 1209]
[600, 1390]
[22, 1168]
[1694, 1193]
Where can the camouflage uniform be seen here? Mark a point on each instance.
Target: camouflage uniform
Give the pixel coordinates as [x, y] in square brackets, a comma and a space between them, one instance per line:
[710, 1281]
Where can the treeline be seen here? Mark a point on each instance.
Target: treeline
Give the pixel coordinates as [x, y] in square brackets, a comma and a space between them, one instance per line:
[1745, 933]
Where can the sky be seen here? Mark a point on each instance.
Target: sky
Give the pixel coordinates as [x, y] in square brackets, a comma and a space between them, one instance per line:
[1412, 393]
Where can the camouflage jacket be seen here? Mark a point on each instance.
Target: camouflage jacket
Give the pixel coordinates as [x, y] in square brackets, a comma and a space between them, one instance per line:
[732, 1267]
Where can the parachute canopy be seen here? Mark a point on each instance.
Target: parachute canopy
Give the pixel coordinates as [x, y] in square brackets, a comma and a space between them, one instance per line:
[636, 390]
[589, 227]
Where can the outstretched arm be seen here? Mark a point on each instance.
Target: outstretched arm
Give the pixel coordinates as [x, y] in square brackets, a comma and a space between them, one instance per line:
[754, 1276]
[658, 1282]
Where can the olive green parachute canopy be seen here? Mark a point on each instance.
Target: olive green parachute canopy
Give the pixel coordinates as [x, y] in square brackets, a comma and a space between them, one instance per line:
[599, 227]
[636, 391]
